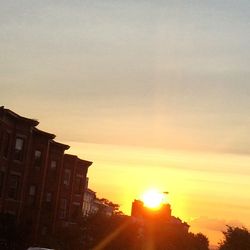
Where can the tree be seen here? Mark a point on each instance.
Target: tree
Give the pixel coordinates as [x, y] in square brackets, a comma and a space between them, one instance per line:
[199, 241]
[109, 232]
[235, 238]
[115, 207]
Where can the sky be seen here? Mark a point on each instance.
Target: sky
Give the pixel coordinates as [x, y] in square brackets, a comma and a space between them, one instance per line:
[155, 93]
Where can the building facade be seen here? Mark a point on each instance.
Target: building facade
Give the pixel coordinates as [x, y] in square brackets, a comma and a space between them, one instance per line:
[71, 192]
[88, 201]
[40, 185]
[93, 205]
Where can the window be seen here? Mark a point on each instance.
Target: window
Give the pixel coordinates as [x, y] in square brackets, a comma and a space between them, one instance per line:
[32, 190]
[76, 212]
[13, 187]
[48, 197]
[63, 208]
[37, 158]
[6, 145]
[1, 139]
[32, 195]
[1, 182]
[44, 230]
[66, 178]
[53, 164]
[19, 149]
[78, 185]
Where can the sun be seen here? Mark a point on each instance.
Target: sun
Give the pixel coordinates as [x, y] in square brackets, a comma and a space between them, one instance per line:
[153, 199]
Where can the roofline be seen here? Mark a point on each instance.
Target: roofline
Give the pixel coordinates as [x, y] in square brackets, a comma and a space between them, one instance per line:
[90, 190]
[85, 162]
[88, 163]
[49, 135]
[59, 144]
[9, 112]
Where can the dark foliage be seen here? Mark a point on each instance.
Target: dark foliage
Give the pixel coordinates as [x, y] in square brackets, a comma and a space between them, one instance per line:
[110, 233]
[122, 232]
[235, 238]
[115, 207]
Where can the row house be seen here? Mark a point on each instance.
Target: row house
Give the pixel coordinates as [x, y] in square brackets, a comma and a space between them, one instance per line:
[92, 205]
[71, 192]
[88, 201]
[39, 185]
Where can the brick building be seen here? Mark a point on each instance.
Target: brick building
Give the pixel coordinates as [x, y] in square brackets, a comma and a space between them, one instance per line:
[93, 205]
[72, 188]
[39, 185]
[88, 200]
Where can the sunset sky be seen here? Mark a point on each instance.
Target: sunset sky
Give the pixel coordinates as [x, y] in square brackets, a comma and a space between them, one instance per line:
[155, 93]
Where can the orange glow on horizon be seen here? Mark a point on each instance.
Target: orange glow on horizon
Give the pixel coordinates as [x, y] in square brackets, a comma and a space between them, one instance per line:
[192, 179]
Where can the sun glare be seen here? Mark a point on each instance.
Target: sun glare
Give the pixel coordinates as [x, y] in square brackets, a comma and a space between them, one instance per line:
[153, 198]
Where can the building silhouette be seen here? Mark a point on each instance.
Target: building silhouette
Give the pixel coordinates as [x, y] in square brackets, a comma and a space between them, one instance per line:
[143, 212]
[41, 187]
[144, 215]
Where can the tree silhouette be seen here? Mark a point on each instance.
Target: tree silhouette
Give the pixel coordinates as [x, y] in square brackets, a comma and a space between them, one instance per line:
[199, 241]
[114, 206]
[109, 232]
[235, 238]
[125, 233]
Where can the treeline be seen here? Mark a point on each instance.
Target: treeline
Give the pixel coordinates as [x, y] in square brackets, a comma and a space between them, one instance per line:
[120, 232]
[235, 238]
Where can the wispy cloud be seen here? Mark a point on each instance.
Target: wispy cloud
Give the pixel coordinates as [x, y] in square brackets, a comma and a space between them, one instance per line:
[213, 223]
